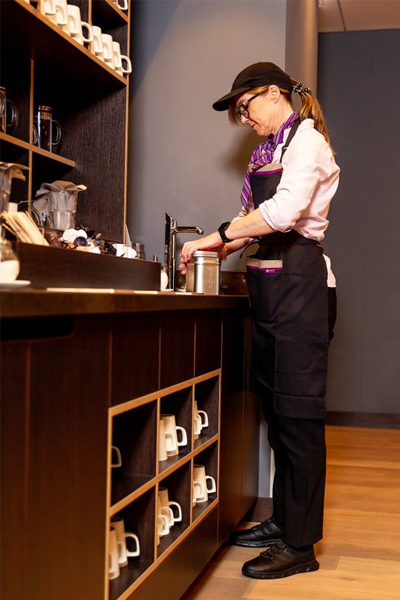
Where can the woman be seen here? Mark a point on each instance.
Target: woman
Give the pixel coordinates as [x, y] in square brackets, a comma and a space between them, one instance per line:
[289, 184]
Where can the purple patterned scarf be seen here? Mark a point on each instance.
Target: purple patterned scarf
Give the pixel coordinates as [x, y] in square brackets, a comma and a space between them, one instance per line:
[263, 155]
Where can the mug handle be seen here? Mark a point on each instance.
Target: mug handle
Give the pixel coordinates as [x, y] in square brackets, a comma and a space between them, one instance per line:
[50, 8]
[58, 133]
[135, 552]
[203, 412]
[213, 484]
[128, 68]
[167, 512]
[34, 135]
[122, 4]
[13, 118]
[64, 16]
[118, 455]
[202, 491]
[107, 56]
[178, 518]
[183, 441]
[89, 29]
[165, 528]
[197, 425]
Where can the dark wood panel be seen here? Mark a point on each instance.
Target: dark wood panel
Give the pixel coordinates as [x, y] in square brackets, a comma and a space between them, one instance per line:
[14, 412]
[57, 267]
[94, 138]
[232, 393]
[135, 356]
[68, 458]
[208, 341]
[177, 347]
[178, 571]
[251, 431]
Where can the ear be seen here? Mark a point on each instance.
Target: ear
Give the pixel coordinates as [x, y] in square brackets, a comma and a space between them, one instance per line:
[274, 93]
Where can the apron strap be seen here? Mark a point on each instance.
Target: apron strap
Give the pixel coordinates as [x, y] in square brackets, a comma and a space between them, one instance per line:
[290, 137]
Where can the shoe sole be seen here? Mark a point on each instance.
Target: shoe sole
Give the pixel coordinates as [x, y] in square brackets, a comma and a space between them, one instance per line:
[304, 568]
[261, 544]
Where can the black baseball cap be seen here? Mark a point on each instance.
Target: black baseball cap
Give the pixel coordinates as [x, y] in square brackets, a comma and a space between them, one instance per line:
[256, 75]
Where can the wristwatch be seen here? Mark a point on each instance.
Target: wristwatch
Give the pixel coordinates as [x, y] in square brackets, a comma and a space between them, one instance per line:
[221, 230]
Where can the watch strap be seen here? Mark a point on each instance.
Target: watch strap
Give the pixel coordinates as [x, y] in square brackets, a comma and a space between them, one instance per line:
[221, 230]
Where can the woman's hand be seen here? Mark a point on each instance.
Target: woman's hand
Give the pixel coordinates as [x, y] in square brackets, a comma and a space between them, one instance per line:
[210, 242]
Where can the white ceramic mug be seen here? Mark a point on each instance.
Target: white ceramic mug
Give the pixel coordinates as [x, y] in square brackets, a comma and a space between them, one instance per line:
[197, 426]
[116, 461]
[162, 443]
[96, 46]
[199, 490]
[173, 506]
[76, 25]
[167, 512]
[122, 4]
[115, 551]
[162, 521]
[173, 444]
[55, 10]
[108, 52]
[200, 476]
[203, 415]
[118, 524]
[119, 59]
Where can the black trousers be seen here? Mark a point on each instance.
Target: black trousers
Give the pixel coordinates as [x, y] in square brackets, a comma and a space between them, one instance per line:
[299, 483]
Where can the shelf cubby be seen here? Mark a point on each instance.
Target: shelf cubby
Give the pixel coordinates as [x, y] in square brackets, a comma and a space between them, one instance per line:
[206, 394]
[209, 459]
[134, 433]
[180, 405]
[138, 519]
[178, 486]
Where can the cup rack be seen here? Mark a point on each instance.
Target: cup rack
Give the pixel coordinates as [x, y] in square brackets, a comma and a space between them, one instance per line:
[133, 486]
[44, 65]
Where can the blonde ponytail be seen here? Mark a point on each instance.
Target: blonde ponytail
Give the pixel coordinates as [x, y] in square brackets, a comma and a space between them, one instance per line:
[310, 108]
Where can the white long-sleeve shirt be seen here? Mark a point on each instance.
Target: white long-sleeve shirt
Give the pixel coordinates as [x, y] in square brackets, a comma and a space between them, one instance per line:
[309, 181]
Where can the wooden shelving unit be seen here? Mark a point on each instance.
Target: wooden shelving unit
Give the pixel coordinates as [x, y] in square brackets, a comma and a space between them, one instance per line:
[41, 64]
[134, 430]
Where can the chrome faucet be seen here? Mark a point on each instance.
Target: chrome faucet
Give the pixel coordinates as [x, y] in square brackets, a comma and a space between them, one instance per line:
[171, 231]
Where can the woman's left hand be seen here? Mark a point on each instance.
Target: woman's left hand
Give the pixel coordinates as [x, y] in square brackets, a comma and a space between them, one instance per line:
[210, 242]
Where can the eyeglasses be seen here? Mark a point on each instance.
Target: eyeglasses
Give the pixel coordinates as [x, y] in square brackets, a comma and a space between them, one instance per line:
[242, 110]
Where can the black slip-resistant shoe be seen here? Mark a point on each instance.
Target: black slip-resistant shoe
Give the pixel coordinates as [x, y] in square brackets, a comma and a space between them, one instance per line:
[259, 536]
[280, 561]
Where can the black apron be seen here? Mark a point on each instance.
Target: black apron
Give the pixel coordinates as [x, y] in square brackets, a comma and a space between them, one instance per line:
[290, 315]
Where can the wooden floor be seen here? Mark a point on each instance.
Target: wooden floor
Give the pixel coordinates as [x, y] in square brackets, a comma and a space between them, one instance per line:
[360, 552]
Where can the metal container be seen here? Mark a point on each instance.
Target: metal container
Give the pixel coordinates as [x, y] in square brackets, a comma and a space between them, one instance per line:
[203, 273]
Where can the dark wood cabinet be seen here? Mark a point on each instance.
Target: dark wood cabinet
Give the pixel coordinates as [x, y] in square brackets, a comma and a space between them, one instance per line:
[73, 388]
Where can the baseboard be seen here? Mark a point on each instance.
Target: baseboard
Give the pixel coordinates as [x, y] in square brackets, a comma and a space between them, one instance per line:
[363, 419]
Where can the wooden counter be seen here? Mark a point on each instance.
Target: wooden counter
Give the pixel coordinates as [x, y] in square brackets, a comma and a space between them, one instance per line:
[30, 302]
[84, 370]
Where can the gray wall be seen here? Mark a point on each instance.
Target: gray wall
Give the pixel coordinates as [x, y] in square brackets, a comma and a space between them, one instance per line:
[185, 158]
[359, 88]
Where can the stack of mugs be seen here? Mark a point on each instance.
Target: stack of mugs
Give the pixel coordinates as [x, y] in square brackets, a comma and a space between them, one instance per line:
[169, 512]
[171, 437]
[122, 546]
[102, 45]
[203, 485]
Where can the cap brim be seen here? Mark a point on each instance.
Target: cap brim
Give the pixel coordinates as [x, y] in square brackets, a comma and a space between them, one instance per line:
[223, 103]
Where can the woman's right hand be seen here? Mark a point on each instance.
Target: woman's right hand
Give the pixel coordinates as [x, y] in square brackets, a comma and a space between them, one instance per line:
[210, 242]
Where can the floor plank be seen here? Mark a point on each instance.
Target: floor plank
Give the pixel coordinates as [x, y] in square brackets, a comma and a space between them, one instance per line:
[360, 552]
